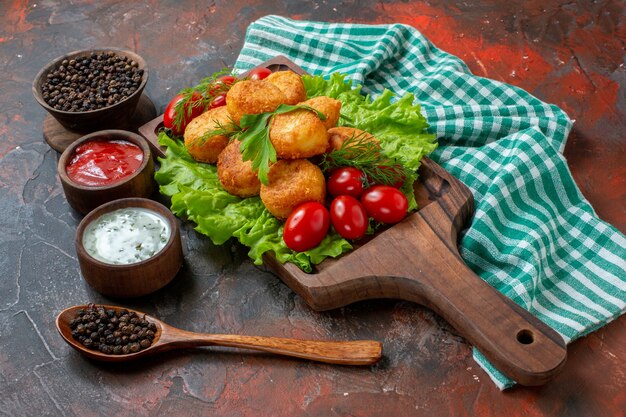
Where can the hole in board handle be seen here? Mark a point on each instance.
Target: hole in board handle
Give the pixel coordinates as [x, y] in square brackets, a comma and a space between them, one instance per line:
[525, 337]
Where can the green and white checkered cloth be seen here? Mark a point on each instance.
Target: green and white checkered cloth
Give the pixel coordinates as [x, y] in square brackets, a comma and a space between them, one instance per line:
[533, 237]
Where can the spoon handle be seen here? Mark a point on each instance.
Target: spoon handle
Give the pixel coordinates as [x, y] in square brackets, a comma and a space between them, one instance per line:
[357, 352]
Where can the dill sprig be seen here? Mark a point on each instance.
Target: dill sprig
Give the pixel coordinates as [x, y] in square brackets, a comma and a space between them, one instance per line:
[360, 152]
[208, 88]
[229, 129]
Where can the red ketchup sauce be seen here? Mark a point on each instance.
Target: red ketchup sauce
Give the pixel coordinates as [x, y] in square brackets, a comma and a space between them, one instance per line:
[99, 163]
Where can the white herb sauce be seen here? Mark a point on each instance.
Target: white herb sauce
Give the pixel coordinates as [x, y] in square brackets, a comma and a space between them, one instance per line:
[126, 236]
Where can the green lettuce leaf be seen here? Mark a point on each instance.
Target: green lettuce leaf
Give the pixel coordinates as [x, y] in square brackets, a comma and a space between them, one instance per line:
[400, 126]
[198, 196]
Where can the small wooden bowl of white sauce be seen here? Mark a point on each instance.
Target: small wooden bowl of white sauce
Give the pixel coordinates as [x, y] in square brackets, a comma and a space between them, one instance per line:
[129, 247]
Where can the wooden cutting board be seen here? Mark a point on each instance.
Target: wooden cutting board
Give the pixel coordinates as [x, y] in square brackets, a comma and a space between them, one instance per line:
[417, 260]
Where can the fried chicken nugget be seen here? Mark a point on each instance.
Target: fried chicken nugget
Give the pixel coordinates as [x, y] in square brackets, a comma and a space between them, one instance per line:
[235, 174]
[206, 149]
[328, 106]
[290, 84]
[292, 182]
[253, 97]
[338, 135]
[298, 134]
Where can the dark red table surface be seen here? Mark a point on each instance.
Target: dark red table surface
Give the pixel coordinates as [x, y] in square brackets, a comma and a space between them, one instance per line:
[570, 53]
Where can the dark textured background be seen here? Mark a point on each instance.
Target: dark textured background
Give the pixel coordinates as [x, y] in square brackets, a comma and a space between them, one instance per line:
[570, 53]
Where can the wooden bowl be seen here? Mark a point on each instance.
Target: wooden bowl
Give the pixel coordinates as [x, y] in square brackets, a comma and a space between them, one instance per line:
[136, 279]
[115, 116]
[84, 198]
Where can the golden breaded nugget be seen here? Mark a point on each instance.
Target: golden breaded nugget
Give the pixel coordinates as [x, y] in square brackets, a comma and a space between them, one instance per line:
[253, 97]
[290, 84]
[298, 134]
[292, 182]
[330, 107]
[338, 135]
[207, 149]
[235, 174]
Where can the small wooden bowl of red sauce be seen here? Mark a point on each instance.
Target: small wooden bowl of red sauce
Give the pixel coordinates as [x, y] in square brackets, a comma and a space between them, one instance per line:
[104, 166]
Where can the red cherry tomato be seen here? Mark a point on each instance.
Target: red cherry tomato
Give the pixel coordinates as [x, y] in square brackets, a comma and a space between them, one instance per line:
[227, 79]
[169, 117]
[385, 203]
[306, 226]
[259, 73]
[221, 85]
[346, 181]
[348, 217]
[218, 101]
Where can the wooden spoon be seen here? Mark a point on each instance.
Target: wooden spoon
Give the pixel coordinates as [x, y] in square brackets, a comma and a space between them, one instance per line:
[358, 352]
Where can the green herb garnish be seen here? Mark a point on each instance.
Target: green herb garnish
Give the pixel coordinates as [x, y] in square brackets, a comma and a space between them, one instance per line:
[197, 195]
[254, 133]
[208, 89]
[229, 129]
[364, 154]
[255, 138]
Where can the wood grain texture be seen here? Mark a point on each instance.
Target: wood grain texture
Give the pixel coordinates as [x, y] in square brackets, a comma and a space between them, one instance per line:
[563, 52]
[417, 260]
[136, 279]
[150, 131]
[357, 352]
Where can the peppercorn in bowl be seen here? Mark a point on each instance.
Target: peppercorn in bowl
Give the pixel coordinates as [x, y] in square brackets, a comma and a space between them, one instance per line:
[92, 89]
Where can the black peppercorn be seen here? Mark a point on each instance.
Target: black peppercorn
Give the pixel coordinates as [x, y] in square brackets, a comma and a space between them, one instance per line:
[112, 332]
[87, 75]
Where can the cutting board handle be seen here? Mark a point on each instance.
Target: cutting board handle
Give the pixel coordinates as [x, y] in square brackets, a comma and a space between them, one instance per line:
[418, 260]
[516, 342]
